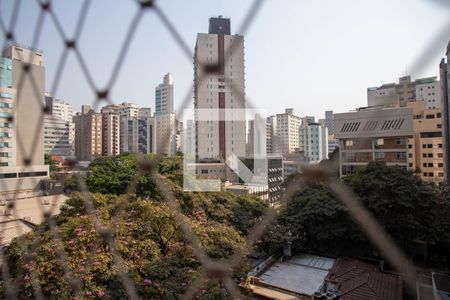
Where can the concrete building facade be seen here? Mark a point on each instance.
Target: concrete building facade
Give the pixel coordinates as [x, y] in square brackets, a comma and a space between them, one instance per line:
[329, 121]
[445, 101]
[165, 128]
[219, 88]
[426, 147]
[57, 136]
[399, 94]
[313, 141]
[22, 85]
[287, 132]
[88, 134]
[164, 96]
[376, 134]
[111, 130]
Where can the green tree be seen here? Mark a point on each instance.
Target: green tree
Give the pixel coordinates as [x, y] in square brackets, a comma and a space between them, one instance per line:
[52, 163]
[114, 175]
[404, 205]
[313, 220]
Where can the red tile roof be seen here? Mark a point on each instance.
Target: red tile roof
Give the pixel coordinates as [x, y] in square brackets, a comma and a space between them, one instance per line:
[357, 280]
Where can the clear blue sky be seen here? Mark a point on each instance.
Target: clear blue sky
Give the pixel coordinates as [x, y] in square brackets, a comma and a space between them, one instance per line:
[313, 55]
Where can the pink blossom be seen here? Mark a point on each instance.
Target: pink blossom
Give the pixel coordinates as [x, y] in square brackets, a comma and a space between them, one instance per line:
[100, 293]
[147, 281]
[88, 293]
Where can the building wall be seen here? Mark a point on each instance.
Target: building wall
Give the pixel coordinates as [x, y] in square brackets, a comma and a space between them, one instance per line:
[165, 134]
[426, 147]
[399, 94]
[223, 89]
[329, 121]
[21, 127]
[313, 141]
[445, 101]
[164, 95]
[57, 136]
[287, 132]
[374, 135]
[129, 135]
[428, 90]
[29, 103]
[88, 134]
[8, 146]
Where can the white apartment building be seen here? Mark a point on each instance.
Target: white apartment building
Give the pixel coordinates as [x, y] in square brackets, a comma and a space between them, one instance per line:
[219, 83]
[126, 109]
[164, 96]
[62, 111]
[165, 128]
[287, 132]
[428, 90]
[58, 108]
[57, 136]
[110, 130]
[399, 94]
[313, 141]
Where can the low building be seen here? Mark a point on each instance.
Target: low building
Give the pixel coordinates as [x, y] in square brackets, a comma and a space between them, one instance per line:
[258, 190]
[354, 280]
[373, 134]
[26, 215]
[296, 278]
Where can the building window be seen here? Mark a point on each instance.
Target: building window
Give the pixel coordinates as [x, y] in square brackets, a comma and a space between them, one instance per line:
[379, 155]
[379, 142]
[400, 141]
[400, 155]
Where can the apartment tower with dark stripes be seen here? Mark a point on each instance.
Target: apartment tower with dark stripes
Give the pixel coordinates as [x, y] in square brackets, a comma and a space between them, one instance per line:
[219, 85]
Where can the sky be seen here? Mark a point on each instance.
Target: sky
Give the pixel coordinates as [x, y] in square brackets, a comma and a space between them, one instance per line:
[311, 55]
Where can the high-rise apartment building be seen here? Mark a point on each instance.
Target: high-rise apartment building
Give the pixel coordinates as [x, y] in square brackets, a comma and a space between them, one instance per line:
[445, 100]
[58, 108]
[287, 132]
[164, 96]
[59, 135]
[373, 134]
[129, 135]
[313, 141]
[165, 127]
[146, 124]
[22, 83]
[111, 130]
[56, 136]
[399, 94]
[219, 84]
[329, 122]
[426, 148]
[270, 134]
[88, 134]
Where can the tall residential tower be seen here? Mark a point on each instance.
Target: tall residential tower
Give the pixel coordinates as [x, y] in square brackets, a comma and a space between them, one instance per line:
[219, 84]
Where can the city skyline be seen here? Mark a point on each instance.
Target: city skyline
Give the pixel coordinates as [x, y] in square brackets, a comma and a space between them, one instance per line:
[320, 54]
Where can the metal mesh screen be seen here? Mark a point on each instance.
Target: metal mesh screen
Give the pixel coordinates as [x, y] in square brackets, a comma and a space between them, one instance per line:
[211, 269]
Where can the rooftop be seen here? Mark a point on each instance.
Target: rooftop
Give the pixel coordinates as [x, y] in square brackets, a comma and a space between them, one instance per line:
[26, 214]
[302, 274]
[357, 280]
